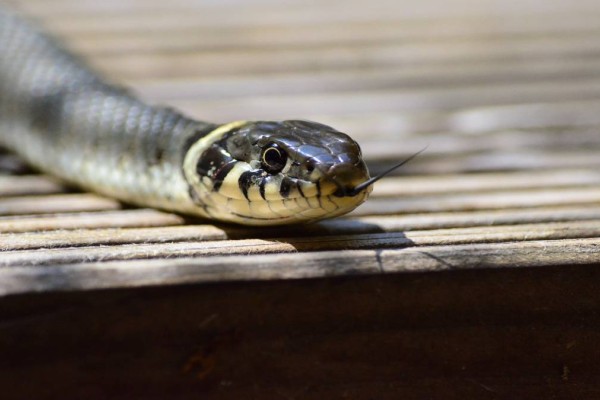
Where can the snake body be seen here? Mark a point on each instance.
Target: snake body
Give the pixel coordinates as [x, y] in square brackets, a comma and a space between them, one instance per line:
[63, 118]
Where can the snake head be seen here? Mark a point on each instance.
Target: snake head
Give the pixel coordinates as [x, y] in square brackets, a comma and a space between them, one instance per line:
[271, 173]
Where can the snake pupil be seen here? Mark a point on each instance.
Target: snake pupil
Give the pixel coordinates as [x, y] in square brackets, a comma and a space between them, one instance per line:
[273, 159]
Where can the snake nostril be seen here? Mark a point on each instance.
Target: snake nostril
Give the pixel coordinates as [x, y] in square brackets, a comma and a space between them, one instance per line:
[346, 176]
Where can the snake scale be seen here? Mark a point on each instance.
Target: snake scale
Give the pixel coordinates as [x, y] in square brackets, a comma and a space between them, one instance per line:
[64, 119]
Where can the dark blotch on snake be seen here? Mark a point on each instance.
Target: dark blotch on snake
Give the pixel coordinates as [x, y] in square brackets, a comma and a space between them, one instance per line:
[261, 188]
[247, 179]
[214, 158]
[221, 174]
[286, 187]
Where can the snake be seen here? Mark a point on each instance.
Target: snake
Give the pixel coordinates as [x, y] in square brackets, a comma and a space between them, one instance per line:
[64, 119]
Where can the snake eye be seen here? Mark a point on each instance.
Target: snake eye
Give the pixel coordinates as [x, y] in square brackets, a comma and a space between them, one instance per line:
[273, 159]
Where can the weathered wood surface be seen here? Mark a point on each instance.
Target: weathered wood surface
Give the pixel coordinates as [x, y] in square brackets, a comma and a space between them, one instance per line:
[507, 102]
[473, 273]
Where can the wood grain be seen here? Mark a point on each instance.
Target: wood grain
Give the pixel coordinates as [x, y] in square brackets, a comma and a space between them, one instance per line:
[506, 101]
[28, 185]
[165, 271]
[472, 273]
[19, 205]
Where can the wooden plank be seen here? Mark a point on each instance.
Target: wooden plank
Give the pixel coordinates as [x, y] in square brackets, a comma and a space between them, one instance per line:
[479, 201]
[299, 14]
[62, 8]
[424, 9]
[258, 61]
[184, 241]
[432, 184]
[446, 144]
[46, 204]
[427, 221]
[176, 38]
[557, 144]
[510, 333]
[526, 254]
[110, 236]
[135, 273]
[559, 114]
[426, 76]
[484, 161]
[113, 274]
[204, 245]
[152, 218]
[539, 119]
[89, 220]
[392, 223]
[28, 185]
[404, 101]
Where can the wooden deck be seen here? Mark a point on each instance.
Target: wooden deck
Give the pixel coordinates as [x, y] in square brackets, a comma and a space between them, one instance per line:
[428, 291]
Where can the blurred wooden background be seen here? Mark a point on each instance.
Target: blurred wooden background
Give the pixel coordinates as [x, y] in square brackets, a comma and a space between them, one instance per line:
[422, 292]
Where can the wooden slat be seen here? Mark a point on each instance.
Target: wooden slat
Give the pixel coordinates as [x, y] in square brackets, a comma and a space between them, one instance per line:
[85, 220]
[218, 63]
[527, 159]
[198, 38]
[61, 9]
[404, 101]
[110, 236]
[488, 218]
[300, 14]
[148, 243]
[46, 204]
[485, 201]
[152, 218]
[544, 143]
[28, 185]
[427, 76]
[419, 185]
[297, 265]
[544, 121]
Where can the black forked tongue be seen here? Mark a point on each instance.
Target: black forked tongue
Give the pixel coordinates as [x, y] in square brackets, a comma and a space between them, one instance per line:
[362, 186]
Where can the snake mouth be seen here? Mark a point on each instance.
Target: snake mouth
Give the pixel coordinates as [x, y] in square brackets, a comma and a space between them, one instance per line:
[348, 192]
[352, 191]
[344, 179]
[358, 188]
